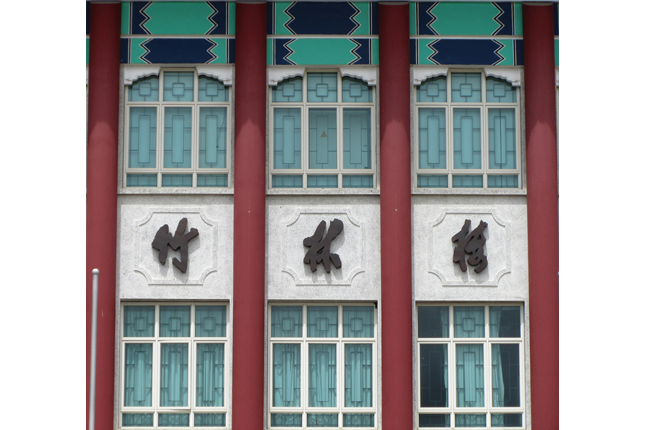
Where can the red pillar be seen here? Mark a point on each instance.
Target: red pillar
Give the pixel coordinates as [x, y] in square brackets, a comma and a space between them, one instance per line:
[396, 232]
[542, 206]
[249, 212]
[102, 152]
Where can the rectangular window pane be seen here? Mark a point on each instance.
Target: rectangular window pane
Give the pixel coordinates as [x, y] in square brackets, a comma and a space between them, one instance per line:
[210, 374]
[433, 321]
[322, 87]
[356, 91]
[358, 420]
[467, 181]
[322, 139]
[174, 321]
[358, 375]
[286, 139]
[432, 181]
[357, 146]
[467, 139]
[142, 140]
[470, 375]
[505, 321]
[210, 420]
[212, 137]
[503, 181]
[286, 420]
[289, 90]
[434, 420]
[178, 87]
[506, 375]
[358, 181]
[432, 90]
[322, 375]
[466, 87]
[210, 321]
[144, 90]
[358, 321]
[141, 180]
[138, 374]
[173, 420]
[138, 321]
[212, 90]
[286, 321]
[470, 420]
[469, 321]
[177, 180]
[177, 137]
[174, 374]
[322, 321]
[322, 181]
[212, 180]
[506, 420]
[286, 181]
[432, 138]
[499, 91]
[501, 139]
[286, 375]
[434, 376]
[322, 420]
[137, 420]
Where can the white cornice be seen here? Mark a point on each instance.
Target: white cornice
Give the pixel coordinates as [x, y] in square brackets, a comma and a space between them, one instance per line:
[367, 74]
[278, 74]
[512, 75]
[223, 73]
[421, 73]
[132, 72]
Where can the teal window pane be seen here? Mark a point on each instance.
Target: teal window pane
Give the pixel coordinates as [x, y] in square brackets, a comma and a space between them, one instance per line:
[467, 139]
[357, 139]
[138, 374]
[286, 181]
[137, 420]
[433, 90]
[322, 321]
[174, 321]
[506, 420]
[503, 181]
[286, 321]
[467, 181]
[212, 137]
[174, 374]
[322, 139]
[177, 137]
[210, 321]
[211, 90]
[173, 420]
[178, 87]
[505, 321]
[142, 141]
[432, 181]
[470, 375]
[210, 420]
[434, 420]
[286, 420]
[501, 139]
[433, 321]
[289, 90]
[470, 420]
[322, 420]
[133, 180]
[322, 87]
[466, 87]
[358, 181]
[500, 91]
[506, 375]
[322, 181]
[434, 375]
[212, 180]
[138, 321]
[210, 374]
[287, 139]
[358, 420]
[358, 321]
[469, 321]
[432, 138]
[356, 91]
[177, 180]
[286, 375]
[322, 375]
[358, 375]
[144, 90]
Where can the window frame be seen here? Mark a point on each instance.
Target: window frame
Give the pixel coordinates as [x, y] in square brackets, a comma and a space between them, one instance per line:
[161, 106]
[487, 341]
[156, 341]
[305, 106]
[485, 171]
[340, 341]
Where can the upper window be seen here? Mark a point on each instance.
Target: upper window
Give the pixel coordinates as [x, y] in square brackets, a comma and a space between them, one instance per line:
[173, 365]
[322, 132]
[177, 131]
[322, 363]
[471, 366]
[467, 132]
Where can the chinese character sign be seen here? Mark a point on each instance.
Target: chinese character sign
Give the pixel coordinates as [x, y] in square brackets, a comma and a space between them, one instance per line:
[319, 251]
[472, 244]
[163, 239]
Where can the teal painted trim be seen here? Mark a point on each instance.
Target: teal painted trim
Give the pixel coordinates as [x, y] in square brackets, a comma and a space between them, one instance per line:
[556, 50]
[281, 18]
[424, 51]
[467, 19]
[363, 18]
[413, 18]
[87, 50]
[270, 43]
[125, 18]
[374, 48]
[136, 50]
[178, 18]
[219, 51]
[519, 28]
[231, 18]
[507, 52]
[322, 51]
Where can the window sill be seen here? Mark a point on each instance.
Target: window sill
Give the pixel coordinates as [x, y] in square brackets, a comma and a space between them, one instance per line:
[174, 191]
[470, 191]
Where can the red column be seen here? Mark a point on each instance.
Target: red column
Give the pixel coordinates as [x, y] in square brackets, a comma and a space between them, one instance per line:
[249, 212]
[396, 242]
[102, 151]
[542, 206]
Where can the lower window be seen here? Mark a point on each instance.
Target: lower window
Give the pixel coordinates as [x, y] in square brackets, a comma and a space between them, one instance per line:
[471, 366]
[173, 365]
[322, 363]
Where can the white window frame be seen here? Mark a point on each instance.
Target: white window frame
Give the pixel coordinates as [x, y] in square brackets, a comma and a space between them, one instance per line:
[156, 342]
[483, 107]
[487, 341]
[339, 105]
[340, 341]
[195, 105]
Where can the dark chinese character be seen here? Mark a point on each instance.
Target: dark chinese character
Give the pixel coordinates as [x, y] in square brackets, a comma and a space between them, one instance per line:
[163, 239]
[319, 247]
[472, 244]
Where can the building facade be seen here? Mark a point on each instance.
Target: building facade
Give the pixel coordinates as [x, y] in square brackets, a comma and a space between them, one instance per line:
[323, 214]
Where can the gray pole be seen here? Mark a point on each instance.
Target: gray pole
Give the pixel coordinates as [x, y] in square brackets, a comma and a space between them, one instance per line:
[95, 293]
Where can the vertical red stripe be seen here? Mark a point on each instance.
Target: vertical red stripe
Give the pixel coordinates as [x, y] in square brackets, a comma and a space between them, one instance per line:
[102, 152]
[249, 213]
[542, 205]
[396, 232]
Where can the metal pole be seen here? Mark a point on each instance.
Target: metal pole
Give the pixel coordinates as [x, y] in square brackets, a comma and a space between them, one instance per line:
[95, 293]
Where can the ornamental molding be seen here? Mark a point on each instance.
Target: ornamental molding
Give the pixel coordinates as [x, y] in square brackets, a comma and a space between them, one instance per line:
[512, 75]
[421, 73]
[366, 74]
[222, 73]
[557, 77]
[278, 74]
[133, 72]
